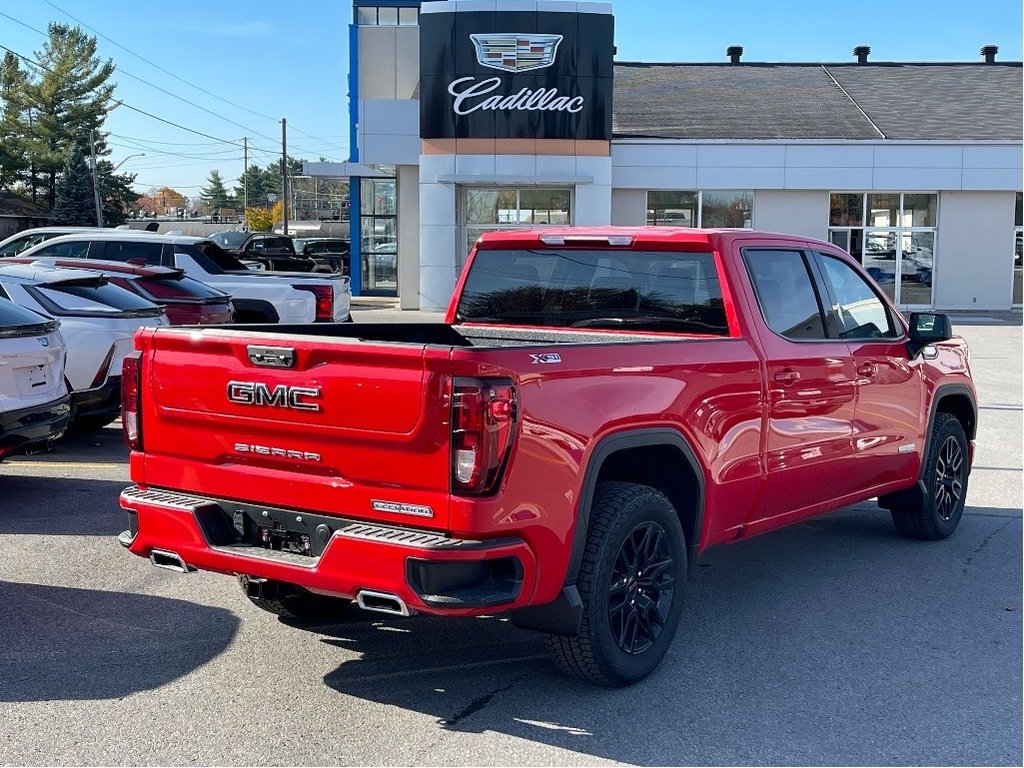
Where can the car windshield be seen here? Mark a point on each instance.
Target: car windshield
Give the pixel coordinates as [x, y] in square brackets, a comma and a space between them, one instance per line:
[229, 239]
[578, 288]
[18, 245]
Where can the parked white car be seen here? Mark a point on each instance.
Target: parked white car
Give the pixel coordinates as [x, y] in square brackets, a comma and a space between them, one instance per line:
[20, 241]
[34, 401]
[98, 321]
[258, 297]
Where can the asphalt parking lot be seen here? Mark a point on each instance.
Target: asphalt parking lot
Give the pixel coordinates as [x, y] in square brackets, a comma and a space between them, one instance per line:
[833, 642]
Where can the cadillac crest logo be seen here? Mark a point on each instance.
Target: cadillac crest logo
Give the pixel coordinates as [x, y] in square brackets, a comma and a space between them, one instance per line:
[511, 52]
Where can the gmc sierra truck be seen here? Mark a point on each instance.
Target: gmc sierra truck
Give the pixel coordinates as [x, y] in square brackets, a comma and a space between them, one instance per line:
[599, 407]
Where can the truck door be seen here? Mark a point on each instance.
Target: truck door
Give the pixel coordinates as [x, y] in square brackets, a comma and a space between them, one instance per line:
[886, 431]
[811, 386]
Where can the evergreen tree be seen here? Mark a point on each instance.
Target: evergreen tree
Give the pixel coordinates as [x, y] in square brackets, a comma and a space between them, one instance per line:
[14, 127]
[74, 203]
[71, 98]
[255, 187]
[214, 195]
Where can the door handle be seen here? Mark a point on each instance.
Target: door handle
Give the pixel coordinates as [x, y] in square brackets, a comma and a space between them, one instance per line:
[867, 370]
[787, 378]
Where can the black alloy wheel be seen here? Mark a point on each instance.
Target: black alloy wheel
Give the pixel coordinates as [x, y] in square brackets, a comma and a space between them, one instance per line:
[949, 478]
[641, 590]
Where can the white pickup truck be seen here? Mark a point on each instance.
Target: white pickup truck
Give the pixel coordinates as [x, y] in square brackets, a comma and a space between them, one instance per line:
[258, 297]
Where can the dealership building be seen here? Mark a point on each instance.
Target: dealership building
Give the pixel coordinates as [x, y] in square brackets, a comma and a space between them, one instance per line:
[475, 115]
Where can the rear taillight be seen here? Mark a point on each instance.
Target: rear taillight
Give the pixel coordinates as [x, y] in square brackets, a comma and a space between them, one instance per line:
[324, 301]
[101, 374]
[483, 421]
[130, 381]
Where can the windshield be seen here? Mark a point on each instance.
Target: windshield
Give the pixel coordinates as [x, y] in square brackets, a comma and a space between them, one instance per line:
[211, 257]
[570, 288]
[229, 239]
[19, 244]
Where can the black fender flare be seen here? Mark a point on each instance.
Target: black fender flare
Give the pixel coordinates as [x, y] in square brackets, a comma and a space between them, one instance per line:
[620, 441]
[262, 306]
[564, 614]
[912, 496]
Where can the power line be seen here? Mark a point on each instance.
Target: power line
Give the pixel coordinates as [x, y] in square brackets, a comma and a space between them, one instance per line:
[120, 103]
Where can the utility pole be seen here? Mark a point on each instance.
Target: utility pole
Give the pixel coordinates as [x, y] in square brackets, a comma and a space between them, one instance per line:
[245, 173]
[284, 171]
[95, 179]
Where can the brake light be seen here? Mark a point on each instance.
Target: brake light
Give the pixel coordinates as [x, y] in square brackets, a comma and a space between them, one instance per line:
[483, 419]
[104, 368]
[130, 384]
[324, 301]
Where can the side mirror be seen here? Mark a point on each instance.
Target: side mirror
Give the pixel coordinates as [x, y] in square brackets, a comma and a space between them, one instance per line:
[928, 328]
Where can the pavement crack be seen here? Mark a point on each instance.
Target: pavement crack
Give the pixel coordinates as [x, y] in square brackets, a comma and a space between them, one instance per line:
[476, 705]
[984, 543]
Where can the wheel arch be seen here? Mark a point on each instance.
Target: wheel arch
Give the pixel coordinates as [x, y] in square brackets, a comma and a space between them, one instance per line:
[958, 400]
[648, 457]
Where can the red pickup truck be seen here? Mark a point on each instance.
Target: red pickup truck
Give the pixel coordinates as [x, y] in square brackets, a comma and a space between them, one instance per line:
[599, 407]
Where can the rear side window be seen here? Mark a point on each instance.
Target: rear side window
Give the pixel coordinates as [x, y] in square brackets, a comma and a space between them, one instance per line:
[18, 245]
[173, 288]
[92, 297]
[136, 253]
[211, 257]
[785, 292]
[859, 313]
[615, 289]
[77, 249]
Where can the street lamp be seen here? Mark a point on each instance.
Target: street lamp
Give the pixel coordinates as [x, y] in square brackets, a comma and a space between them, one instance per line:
[140, 154]
[96, 178]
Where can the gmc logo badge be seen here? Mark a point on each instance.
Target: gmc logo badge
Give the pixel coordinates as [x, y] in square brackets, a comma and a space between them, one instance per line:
[281, 396]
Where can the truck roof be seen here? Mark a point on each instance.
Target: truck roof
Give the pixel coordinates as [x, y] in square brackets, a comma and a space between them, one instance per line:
[657, 237]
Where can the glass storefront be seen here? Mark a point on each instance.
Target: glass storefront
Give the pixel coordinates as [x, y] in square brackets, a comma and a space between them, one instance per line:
[487, 209]
[1018, 241]
[893, 235]
[379, 235]
[707, 209]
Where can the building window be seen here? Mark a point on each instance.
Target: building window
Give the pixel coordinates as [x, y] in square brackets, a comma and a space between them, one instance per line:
[493, 209]
[893, 235]
[387, 16]
[379, 235]
[700, 209]
[1018, 228]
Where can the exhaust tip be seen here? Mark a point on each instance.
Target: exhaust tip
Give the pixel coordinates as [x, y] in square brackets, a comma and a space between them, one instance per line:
[168, 560]
[381, 602]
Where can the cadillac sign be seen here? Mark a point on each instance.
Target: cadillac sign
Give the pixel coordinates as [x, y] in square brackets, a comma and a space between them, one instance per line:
[553, 81]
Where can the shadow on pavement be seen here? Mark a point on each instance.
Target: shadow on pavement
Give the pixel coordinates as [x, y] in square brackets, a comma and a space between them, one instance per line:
[77, 507]
[817, 644]
[73, 644]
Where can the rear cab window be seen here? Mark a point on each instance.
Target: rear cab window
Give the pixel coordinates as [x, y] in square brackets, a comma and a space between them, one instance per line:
[634, 290]
[211, 258]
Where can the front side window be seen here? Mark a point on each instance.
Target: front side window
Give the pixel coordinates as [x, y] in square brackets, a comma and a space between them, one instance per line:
[785, 292]
[856, 309]
[609, 289]
[72, 250]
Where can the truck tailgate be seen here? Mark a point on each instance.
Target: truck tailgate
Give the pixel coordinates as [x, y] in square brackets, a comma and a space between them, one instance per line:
[336, 426]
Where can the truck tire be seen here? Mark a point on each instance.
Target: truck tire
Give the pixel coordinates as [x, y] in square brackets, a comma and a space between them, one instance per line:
[936, 513]
[631, 582]
[294, 602]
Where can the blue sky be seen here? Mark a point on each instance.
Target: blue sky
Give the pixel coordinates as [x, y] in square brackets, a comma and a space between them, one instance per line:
[258, 61]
